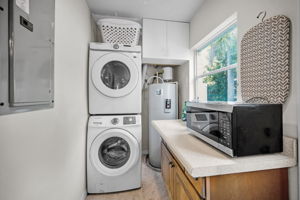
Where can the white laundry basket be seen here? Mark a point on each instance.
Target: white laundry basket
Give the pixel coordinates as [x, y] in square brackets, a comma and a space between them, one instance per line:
[119, 31]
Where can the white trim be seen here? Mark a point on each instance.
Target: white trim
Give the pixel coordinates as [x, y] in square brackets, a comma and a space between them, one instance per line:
[217, 31]
[217, 71]
[196, 87]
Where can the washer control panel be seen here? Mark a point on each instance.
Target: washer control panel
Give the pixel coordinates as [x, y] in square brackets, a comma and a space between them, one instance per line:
[129, 120]
[115, 121]
[97, 123]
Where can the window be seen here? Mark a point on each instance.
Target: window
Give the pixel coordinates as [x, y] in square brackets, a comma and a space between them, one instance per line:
[216, 63]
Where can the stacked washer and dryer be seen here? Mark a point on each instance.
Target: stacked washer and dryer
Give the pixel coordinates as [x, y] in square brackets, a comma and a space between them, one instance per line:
[114, 127]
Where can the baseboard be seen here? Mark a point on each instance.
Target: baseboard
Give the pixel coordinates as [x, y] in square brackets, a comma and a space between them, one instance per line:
[83, 195]
[145, 152]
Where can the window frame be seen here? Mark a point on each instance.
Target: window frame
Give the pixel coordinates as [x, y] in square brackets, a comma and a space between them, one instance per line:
[227, 24]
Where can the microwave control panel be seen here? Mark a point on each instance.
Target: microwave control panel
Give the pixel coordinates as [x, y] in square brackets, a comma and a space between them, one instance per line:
[225, 129]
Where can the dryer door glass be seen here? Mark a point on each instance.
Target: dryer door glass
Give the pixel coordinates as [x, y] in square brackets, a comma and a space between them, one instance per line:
[115, 75]
[114, 152]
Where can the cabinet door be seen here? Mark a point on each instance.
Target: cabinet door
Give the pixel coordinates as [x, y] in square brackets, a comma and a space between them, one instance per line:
[154, 38]
[198, 183]
[167, 169]
[262, 185]
[178, 40]
[183, 189]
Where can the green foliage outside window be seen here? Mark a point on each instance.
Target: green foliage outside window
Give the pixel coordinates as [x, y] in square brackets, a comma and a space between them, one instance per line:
[222, 52]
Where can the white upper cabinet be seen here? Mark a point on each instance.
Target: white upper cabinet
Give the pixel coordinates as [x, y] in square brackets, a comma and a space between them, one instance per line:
[154, 38]
[178, 40]
[165, 42]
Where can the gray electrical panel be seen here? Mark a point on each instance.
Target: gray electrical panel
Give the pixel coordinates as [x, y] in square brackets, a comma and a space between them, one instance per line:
[26, 55]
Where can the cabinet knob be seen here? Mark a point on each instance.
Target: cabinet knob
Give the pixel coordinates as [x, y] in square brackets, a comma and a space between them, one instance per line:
[171, 164]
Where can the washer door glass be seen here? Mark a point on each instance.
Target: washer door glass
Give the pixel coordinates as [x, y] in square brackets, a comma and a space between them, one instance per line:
[114, 152]
[115, 75]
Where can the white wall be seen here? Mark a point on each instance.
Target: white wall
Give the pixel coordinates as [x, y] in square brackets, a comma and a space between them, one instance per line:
[181, 75]
[298, 91]
[42, 153]
[213, 12]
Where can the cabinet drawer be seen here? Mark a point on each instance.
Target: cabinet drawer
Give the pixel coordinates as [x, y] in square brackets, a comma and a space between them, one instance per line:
[166, 151]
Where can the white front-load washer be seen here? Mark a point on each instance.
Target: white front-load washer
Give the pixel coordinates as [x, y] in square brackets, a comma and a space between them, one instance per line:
[113, 153]
[114, 79]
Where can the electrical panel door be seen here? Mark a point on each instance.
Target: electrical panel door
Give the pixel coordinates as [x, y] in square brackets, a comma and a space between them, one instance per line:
[30, 54]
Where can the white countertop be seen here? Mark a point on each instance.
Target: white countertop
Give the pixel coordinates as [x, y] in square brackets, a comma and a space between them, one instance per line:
[200, 159]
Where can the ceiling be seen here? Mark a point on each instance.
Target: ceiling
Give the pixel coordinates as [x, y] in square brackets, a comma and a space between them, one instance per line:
[175, 10]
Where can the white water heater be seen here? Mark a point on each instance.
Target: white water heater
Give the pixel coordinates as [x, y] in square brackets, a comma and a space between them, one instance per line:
[163, 105]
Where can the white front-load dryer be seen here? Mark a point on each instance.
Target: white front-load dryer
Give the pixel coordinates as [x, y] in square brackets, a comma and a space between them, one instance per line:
[114, 79]
[113, 153]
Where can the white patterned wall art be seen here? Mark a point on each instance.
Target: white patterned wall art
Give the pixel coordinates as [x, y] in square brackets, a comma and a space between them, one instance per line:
[265, 60]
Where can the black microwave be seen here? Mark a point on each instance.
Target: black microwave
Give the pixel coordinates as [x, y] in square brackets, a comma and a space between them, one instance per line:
[237, 129]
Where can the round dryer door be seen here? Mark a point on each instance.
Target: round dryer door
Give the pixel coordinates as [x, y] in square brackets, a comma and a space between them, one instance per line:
[115, 75]
[114, 152]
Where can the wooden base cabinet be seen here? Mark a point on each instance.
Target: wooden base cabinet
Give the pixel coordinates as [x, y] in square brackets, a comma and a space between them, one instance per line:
[167, 168]
[259, 185]
[177, 182]
[183, 189]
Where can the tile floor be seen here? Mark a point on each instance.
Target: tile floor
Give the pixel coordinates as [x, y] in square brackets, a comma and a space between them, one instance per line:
[153, 188]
